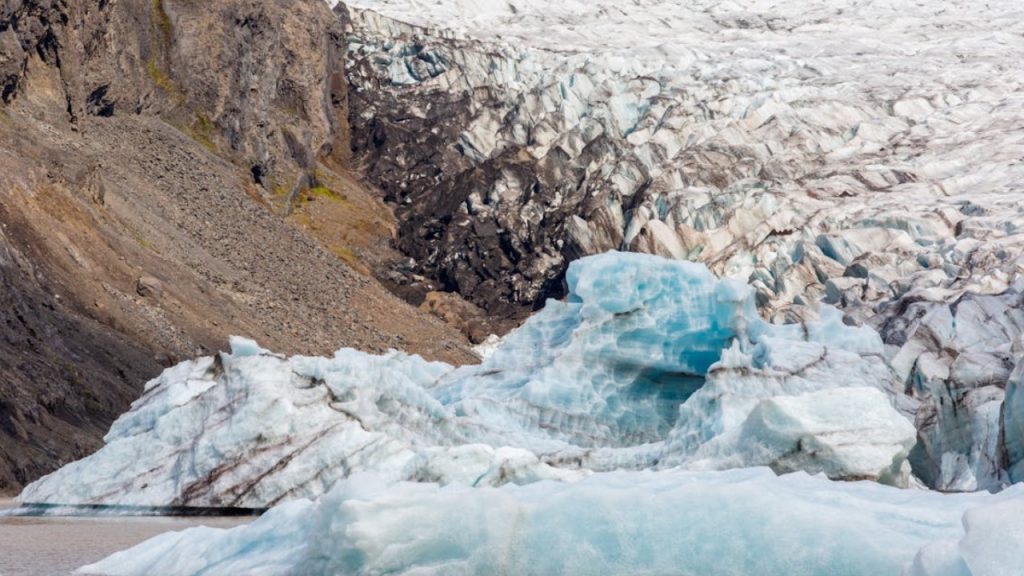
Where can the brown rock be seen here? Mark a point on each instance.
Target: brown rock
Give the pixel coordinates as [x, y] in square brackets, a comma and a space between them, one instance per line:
[149, 287]
[458, 313]
[198, 111]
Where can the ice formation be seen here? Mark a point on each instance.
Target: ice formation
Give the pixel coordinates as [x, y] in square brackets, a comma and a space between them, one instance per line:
[781, 143]
[649, 363]
[990, 546]
[806, 397]
[866, 154]
[957, 359]
[669, 522]
[1013, 422]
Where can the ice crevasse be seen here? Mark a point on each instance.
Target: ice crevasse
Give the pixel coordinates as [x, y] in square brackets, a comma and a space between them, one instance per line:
[649, 363]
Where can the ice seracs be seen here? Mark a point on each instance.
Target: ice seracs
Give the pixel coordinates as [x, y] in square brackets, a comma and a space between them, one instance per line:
[627, 372]
[1013, 422]
[779, 144]
[865, 155]
[956, 358]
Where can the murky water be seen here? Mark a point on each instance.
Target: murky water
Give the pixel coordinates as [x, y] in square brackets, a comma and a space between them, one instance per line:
[57, 546]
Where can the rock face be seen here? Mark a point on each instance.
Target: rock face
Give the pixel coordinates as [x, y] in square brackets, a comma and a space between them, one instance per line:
[63, 375]
[149, 287]
[261, 82]
[781, 146]
[163, 140]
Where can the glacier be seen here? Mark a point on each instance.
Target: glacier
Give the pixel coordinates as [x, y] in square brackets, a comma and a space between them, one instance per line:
[746, 521]
[865, 155]
[648, 363]
[848, 171]
[785, 145]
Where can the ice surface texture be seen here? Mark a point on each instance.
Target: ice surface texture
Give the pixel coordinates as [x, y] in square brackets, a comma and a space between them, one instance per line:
[865, 154]
[860, 153]
[668, 522]
[628, 372]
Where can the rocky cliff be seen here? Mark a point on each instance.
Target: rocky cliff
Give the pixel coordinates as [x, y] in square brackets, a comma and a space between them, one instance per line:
[173, 172]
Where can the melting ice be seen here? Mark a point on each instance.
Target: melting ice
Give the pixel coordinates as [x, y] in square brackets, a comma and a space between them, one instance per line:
[648, 363]
[599, 429]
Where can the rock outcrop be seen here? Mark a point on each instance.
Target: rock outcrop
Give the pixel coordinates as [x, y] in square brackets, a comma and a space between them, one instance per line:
[165, 141]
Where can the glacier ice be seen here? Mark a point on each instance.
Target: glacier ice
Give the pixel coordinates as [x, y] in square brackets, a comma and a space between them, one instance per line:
[610, 365]
[746, 521]
[956, 359]
[990, 546]
[781, 144]
[1013, 422]
[805, 397]
[649, 363]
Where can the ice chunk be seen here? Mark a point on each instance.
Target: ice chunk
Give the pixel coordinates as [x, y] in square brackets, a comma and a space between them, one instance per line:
[805, 397]
[613, 377]
[1013, 423]
[487, 347]
[253, 430]
[845, 433]
[610, 365]
[669, 522]
[991, 545]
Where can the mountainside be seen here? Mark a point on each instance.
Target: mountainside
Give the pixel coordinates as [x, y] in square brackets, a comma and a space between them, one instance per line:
[172, 173]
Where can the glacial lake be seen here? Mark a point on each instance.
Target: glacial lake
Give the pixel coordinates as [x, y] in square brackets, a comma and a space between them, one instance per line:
[56, 546]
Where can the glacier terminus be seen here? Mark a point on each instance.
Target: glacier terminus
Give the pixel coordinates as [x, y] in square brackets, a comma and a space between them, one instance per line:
[653, 381]
[766, 264]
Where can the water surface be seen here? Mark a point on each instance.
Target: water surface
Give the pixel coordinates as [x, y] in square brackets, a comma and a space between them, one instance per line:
[56, 546]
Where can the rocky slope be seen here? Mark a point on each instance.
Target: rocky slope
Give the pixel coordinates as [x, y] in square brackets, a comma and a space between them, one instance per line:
[172, 173]
[867, 156]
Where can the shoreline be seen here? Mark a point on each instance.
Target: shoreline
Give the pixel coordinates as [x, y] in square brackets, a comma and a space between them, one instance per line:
[27, 542]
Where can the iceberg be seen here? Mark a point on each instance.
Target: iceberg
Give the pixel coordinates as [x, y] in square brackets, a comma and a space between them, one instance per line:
[746, 521]
[816, 397]
[648, 363]
[990, 545]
